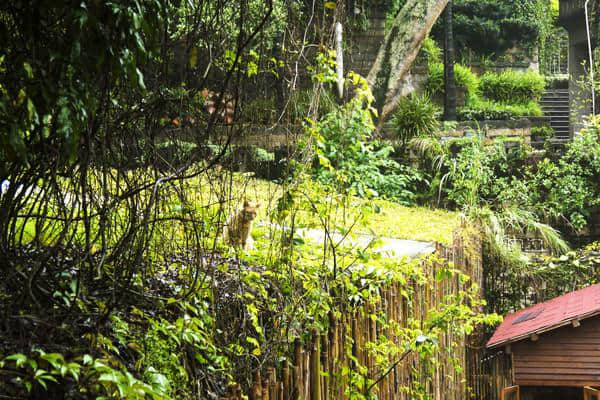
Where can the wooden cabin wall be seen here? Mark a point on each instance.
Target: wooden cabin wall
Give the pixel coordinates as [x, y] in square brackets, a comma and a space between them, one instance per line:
[567, 356]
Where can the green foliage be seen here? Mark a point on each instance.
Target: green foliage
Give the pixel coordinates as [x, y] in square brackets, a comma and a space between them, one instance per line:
[515, 286]
[466, 80]
[392, 11]
[41, 105]
[512, 87]
[542, 133]
[358, 284]
[489, 27]
[573, 270]
[567, 188]
[349, 159]
[430, 52]
[482, 110]
[415, 116]
[88, 375]
[262, 155]
[472, 175]
[506, 95]
[494, 96]
[475, 177]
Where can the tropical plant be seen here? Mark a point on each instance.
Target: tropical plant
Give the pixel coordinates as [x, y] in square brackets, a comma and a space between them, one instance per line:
[415, 116]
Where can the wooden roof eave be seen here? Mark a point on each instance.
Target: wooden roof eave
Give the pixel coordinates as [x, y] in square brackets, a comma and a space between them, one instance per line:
[545, 329]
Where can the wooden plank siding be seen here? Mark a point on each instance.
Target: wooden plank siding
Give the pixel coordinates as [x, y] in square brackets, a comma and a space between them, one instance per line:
[567, 356]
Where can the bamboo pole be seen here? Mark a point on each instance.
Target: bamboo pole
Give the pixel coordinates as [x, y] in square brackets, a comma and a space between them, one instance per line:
[315, 367]
[286, 381]
[256, 391]
[298, 371]
[325, 366]
[272, 387]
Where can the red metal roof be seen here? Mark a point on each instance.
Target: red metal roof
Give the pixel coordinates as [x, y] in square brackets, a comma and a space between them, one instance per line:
[549, 315]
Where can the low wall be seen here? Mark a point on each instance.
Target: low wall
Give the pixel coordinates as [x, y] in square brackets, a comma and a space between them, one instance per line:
[510, 129]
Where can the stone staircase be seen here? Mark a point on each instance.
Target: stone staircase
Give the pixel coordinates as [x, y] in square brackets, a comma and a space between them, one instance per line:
[555, 104]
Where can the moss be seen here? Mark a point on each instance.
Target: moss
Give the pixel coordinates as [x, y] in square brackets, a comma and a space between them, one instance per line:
[414, 223]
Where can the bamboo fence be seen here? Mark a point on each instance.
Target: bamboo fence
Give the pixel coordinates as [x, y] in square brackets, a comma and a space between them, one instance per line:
[314, 371]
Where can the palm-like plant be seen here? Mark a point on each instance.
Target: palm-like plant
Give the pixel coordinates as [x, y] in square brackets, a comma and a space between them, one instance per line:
[497, 222]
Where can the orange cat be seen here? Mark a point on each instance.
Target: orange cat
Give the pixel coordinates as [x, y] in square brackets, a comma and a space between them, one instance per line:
[238, 227]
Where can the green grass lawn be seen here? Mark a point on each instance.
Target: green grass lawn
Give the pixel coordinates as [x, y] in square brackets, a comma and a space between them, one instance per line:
[392, 220]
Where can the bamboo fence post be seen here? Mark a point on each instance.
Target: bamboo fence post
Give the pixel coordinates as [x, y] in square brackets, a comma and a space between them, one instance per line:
[353, 335]
[298, 371]
[315, 367]
[286, 381]
[256, 391]
[265, 390]
[306, 358]
[272, 388]
[325, 366]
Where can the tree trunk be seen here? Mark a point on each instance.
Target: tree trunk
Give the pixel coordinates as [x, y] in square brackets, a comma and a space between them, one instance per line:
[398, 51]
[449, 82]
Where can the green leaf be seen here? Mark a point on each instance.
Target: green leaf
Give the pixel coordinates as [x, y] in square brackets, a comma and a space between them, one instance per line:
[54, 359]
[140, 79]
[18, 358]
[28, 70]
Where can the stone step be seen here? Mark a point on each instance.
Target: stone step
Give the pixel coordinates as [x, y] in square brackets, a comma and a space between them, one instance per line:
[559, 106]
[556, 113]
[555, 104]
[555, 100]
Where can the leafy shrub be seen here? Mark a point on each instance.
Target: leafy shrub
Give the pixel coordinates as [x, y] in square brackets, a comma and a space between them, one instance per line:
[348, 157]
[542, 133]
[485, 110]
[430, 52]
[512, 87]
[570, 188]
[262, 155]
[465, 80]
[565, 190]
[415, 116]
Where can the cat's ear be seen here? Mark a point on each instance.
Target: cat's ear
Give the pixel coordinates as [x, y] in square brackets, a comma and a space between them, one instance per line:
[246, 204]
